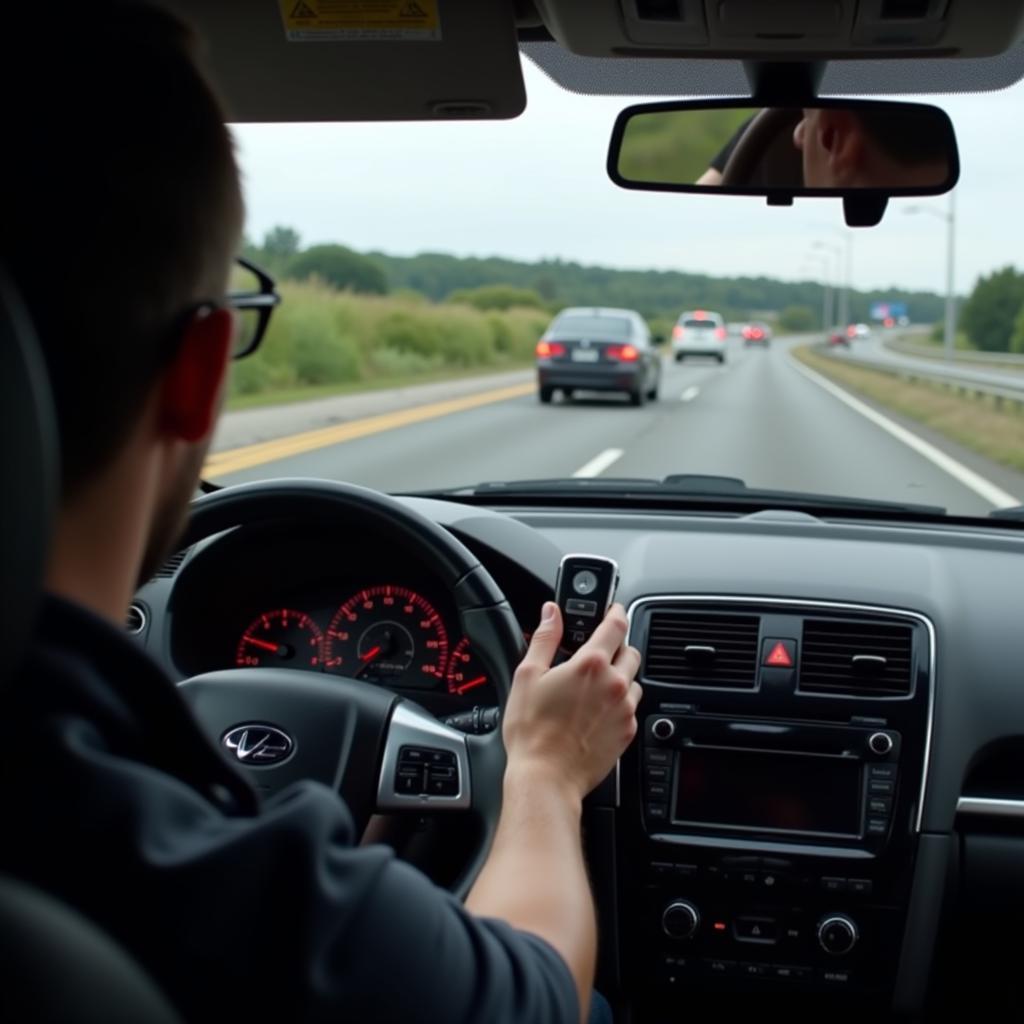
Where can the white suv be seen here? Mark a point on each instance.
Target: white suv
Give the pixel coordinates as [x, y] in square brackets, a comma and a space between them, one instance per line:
[699, 333]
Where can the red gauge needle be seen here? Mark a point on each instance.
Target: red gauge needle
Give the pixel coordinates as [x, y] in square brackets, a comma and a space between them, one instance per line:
[371, 653]
[261, 643]
[479, 681]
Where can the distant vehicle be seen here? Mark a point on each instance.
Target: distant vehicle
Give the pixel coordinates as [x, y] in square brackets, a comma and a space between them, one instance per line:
[858, 331]
[699, 333]
[838, 338]
[598, 349]
[757, 333]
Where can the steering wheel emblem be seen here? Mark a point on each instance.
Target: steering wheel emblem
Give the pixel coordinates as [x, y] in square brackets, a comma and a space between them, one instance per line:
[256, 744]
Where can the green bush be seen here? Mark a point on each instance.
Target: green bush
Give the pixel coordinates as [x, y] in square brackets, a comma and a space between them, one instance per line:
[990, 314]
[340, 267]
[498, 296]
[795, 319]
[319, 336]
[1017, 341]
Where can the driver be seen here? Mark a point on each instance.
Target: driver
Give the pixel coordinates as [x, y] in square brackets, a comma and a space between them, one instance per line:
[884, 148]
[120, 220]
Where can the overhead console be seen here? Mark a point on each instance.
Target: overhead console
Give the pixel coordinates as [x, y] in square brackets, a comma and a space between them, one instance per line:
[831, 29]
[770, 811]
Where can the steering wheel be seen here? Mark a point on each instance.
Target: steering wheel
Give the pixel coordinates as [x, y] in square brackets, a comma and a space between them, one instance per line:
[763, 133]
[381, 752]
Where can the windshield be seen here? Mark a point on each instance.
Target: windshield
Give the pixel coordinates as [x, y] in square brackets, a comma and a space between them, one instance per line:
[422, 265]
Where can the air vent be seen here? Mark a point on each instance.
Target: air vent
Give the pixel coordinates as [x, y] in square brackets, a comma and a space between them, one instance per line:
[703, 649]
[136, 620]
[659, 10]
[856, 659]
[171, 566]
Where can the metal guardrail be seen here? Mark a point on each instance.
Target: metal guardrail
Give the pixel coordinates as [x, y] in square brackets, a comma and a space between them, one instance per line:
[1011, 393]
[1012, 360]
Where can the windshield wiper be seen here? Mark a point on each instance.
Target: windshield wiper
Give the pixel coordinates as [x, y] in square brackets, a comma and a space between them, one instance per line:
[689, 490]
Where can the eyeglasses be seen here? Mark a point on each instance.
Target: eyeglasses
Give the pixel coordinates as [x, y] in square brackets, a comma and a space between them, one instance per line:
[252, 295]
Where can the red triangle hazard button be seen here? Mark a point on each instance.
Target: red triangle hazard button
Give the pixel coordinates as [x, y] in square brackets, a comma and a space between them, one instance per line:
[779, 657]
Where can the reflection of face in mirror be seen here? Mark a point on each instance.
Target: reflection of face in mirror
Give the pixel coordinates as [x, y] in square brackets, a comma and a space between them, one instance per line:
[870, 149]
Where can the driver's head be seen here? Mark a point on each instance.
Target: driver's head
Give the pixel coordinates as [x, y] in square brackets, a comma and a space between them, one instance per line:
[846, 148]
[121, 215]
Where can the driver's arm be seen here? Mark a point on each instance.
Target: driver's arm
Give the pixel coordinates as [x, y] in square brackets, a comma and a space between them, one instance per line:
[564, 729]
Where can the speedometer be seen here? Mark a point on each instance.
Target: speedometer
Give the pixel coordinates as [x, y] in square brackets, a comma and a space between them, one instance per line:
[389, 635]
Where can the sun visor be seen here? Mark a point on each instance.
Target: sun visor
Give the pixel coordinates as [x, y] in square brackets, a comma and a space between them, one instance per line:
[361, 60]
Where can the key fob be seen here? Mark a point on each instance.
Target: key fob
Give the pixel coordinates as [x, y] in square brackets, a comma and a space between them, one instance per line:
[584, 591]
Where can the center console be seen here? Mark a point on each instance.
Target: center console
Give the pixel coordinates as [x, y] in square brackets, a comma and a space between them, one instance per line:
[770, 810]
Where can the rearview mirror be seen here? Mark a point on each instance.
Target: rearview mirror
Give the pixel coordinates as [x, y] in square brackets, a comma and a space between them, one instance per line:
[864, 151]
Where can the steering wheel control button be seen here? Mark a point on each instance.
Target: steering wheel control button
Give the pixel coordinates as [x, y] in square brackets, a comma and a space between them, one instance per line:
[425, 770]
[763, 930]
[880, 743]
[680, 920]
[663, 729]
[837, 934]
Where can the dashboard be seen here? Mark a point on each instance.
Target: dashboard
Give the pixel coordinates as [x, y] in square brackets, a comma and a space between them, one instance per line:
[829, 813]
[338, 605]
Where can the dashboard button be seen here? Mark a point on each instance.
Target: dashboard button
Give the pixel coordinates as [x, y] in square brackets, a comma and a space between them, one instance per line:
[879, 805]
[878, 826]
[831, 884]
[755, 929]
[882, 771]
[786, 972]
[881, 787]
[720, 968]
[657, 811]
[752, 970]
[655, 756]
[836, 977]
[657, 774]
[861, 886]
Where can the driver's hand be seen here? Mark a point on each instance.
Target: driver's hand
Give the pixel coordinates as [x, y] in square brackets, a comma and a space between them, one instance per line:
[576, 719]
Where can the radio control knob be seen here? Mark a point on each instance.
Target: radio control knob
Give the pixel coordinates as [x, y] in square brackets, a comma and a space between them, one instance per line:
[880, 743]
[837, 934]
[680, 919]
[663, 729]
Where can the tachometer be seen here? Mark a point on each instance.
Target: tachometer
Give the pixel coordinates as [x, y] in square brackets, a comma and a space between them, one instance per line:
[282, 637]
[388, 635]
[466, 675]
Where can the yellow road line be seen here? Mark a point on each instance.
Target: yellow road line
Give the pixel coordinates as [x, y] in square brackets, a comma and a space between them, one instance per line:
[235, 459]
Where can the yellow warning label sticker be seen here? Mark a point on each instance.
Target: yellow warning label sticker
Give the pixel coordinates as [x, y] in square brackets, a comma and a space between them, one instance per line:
[343, 21]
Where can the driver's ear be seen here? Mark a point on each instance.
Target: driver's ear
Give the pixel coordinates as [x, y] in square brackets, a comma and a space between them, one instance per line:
[191, 386]
[842, 138]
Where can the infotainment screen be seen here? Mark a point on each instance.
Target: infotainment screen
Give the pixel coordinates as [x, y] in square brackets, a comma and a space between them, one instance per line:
[768, 791]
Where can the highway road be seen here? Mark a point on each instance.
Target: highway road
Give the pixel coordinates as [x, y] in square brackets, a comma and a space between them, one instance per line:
[760, 417]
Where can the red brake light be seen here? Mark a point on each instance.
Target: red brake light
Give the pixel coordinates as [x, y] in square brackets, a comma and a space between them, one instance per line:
[748, 332]
[700, 315]
[677, 331]
[628, 354]
[851, 331]
[719, 332]
[545, 349]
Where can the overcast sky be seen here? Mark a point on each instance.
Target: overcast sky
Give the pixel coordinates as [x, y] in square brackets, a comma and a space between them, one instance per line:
[536, 187]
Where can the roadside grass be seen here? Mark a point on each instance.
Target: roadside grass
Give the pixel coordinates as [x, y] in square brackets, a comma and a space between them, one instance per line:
[974, 422]
[324, 342]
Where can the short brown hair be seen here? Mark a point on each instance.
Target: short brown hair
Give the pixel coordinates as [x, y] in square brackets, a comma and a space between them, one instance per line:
[121, 206]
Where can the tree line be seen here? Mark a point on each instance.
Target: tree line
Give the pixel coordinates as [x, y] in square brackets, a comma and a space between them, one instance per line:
[495, 283]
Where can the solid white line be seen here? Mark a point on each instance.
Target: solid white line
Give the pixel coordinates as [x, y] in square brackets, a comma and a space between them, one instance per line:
[599, 463]
[994, 495]
[689, 394]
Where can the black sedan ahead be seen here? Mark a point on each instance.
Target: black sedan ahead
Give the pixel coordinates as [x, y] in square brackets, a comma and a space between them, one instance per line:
[598, 349]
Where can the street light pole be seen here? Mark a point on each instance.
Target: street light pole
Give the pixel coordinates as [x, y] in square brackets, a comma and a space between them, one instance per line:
[949, 332]
[822, 263]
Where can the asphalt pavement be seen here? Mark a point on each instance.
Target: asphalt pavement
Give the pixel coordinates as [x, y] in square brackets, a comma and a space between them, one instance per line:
[760, 417]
